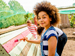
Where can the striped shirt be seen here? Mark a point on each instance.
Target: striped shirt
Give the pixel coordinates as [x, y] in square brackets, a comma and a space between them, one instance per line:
[44, 40]
[33, 29]
[59, 31]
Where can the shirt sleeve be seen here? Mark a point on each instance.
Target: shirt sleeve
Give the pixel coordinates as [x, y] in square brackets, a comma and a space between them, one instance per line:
[51, 33]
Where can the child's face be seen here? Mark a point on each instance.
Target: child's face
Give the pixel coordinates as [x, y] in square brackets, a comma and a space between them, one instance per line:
[43, 19]
[29, 24]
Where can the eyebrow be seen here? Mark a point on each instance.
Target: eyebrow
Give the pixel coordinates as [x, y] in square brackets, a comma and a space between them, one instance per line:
[43, 15]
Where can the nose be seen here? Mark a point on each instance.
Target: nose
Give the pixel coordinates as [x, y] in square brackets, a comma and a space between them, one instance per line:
[41, 20]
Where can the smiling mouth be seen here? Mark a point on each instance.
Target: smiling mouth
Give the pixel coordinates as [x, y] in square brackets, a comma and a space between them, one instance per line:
[42, 23]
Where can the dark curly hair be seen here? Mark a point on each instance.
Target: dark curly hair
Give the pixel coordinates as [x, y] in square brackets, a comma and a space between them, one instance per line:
[51, 10]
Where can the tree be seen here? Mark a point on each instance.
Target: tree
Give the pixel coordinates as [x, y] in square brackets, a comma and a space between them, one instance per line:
[3, 6]
[15, 6]
[29, 16]
[4, 10]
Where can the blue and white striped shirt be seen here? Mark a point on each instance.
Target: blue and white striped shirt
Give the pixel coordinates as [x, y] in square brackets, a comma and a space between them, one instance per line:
[44, 40]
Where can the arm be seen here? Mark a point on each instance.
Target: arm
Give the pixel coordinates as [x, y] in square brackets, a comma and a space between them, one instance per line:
[52, 43]
[33, 41]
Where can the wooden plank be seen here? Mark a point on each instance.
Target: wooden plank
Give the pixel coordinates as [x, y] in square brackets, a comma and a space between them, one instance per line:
[17, 50]
[11, 44]
[11, 32]
[11, 35]
[20, 46]
[38, 52]
[30, 53]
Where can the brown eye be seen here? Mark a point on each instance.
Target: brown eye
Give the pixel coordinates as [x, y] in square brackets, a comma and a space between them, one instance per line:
[44, 17]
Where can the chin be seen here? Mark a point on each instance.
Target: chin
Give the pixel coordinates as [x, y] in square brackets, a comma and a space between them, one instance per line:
[42, 26]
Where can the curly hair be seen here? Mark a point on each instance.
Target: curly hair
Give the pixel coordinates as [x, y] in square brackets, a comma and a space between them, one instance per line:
[51, 10]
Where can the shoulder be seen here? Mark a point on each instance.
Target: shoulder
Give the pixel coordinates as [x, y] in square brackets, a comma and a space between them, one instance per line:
[58, 30]
[52, 28]
[33, 25]
[51, 31]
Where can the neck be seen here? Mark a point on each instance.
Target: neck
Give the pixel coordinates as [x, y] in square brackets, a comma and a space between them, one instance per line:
[47, 27]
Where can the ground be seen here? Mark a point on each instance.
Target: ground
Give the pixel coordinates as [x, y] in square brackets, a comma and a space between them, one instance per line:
[69, 49]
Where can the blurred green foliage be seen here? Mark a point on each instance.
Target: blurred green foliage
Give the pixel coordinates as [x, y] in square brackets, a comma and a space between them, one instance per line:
[72, 20]
[14, 14]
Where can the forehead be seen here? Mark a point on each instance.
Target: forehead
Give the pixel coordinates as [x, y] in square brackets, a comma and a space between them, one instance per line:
[28, 21]
[42, 13]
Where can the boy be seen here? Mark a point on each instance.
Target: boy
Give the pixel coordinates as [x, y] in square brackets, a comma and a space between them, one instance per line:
[32, 28]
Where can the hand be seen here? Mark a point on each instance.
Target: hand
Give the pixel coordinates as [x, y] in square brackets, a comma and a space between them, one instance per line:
[23, 39]
[26, 38]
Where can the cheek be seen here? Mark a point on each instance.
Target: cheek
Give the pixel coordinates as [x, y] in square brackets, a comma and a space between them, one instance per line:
[38, 21]
[46, 20]
[28, 24]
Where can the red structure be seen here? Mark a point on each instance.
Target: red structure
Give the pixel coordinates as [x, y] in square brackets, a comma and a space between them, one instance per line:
[35, 21]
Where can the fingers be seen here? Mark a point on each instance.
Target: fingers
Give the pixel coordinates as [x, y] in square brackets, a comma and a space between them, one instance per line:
[25, 38]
